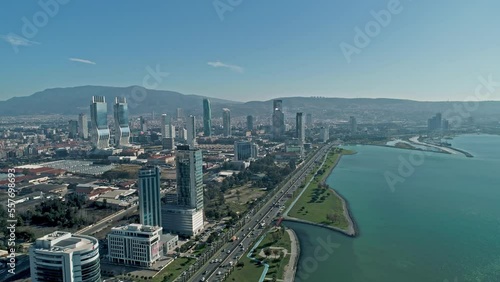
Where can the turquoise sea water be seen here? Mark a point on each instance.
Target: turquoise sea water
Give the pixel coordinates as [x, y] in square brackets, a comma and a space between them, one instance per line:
[441, 224]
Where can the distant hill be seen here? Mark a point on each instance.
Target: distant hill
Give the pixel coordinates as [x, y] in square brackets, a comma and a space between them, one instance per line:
[74, 100]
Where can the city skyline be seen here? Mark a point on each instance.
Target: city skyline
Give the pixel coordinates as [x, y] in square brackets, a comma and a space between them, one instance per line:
[304, 53]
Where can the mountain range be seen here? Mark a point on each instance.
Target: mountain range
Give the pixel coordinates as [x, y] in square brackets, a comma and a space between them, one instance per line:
[75, 100]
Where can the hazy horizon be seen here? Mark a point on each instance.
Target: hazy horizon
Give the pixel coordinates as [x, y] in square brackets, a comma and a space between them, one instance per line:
[417, 50]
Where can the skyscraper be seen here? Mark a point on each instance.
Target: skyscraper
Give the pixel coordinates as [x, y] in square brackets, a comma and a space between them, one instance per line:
[189, 177]
[180, 114]
[122, 129]
[143, 124]
[278, 121]
[207, 118]
[191, 131]
[250, 123]
[324, 134]
[73, 128]
[226, 121]
[300, 130]
[83, 126]
[65, 257]
[165, 123]
[353, 125]
[149, 196]
[99, 118]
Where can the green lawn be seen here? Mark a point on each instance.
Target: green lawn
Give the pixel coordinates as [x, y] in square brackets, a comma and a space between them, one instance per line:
[252, 270]
[319, 204]
[173, 270]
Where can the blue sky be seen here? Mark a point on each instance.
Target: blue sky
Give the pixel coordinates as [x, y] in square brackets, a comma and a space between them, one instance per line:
[259, 49]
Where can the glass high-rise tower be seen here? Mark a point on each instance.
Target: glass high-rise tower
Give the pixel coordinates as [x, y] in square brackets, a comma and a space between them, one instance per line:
[189, 177]
[122, 129]
[278, 119]
[149, 196]
[226, 122]
[83, 126]
[207, 118]
[99, 117]
[300, 130]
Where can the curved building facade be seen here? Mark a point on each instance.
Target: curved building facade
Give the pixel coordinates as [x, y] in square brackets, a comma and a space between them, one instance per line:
[99, 117]
[122, 128]
[65, 257]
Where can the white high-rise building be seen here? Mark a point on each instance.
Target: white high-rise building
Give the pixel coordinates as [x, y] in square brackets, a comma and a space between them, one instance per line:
[167, 128]
[99, 118]
[65, 257]
[122, 128]
[135, 244]
[324, 134]
[149, 196]
[191, 131]
[226, 122]
[83, 126]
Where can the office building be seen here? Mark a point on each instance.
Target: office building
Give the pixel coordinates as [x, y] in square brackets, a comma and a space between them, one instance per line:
[99, 120]
[207, 118]
[122, 129]
[226, 122]
[65, 257]
[183, 134]
[167, 128]
[278, 119]
[189, 164]
[149, 196]
[250, 123]
[83, 126]
[186, 217]
[165, 124]
[324, 134]
[353, 125]
[300, 130]
[180, 114]
[245, 150]
[437, 123]
[73, 128]
[191, 131]
[168, 143]
[182, 221]
[135, 244]
[143, 124]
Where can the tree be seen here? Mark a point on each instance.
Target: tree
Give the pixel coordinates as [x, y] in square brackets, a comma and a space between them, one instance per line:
[267, 251]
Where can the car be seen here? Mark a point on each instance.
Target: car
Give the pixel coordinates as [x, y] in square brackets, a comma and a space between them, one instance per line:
[202, 279]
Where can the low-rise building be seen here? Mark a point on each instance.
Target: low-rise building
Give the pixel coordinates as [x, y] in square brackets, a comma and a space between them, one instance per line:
[135, 244]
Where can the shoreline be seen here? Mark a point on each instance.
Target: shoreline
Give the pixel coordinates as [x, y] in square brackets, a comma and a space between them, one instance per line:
[352, 228]
[291, 268]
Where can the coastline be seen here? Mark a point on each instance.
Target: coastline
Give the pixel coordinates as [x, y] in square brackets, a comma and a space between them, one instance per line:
[291, 268]
[352, 228]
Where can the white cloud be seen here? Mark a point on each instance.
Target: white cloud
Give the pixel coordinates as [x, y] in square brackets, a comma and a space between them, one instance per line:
[81, 61]
[16, 40]
[220, 64]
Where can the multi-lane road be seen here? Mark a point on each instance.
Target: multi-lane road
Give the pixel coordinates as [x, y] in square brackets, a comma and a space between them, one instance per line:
[250, 229]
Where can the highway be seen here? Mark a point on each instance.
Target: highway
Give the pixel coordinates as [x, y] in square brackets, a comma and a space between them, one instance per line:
[250, 230]
[105, 222]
